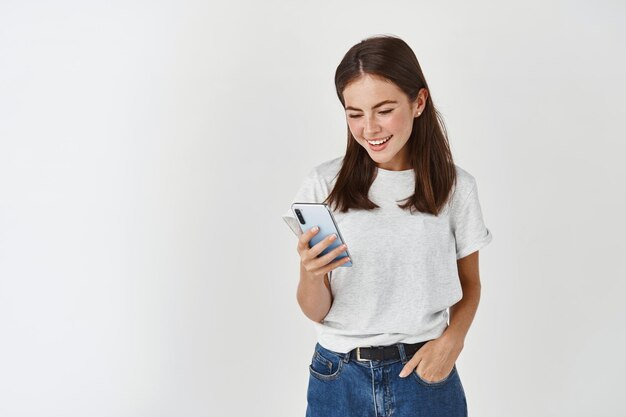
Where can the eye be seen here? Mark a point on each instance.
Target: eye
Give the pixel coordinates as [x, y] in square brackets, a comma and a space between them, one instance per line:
[356, 116]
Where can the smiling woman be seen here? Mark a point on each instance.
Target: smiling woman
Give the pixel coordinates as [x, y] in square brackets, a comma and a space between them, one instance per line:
[385, 126]
[393, 124]
[413, 224]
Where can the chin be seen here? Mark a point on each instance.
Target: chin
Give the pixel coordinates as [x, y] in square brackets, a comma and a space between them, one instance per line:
[387, 153]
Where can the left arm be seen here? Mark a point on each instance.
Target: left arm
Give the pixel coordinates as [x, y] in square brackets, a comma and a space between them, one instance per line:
[437, 357]
[462, 313]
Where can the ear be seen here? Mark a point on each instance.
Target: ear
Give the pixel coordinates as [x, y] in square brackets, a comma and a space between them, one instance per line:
[420, 102]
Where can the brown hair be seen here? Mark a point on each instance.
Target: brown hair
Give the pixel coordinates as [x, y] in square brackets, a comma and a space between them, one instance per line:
[391, 58]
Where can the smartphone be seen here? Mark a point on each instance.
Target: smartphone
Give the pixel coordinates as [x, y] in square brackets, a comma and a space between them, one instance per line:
[319, 214]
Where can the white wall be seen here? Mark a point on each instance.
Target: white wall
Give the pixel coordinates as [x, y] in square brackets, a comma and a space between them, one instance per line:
[147, 150]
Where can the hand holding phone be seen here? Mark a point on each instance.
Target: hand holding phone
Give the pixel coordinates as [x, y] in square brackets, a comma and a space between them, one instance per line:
[318, 248]
[319, 266]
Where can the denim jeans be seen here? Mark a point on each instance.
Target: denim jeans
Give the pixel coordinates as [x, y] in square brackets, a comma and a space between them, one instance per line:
[341, 386]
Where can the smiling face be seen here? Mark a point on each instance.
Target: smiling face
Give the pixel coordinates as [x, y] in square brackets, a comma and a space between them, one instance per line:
[376, 110]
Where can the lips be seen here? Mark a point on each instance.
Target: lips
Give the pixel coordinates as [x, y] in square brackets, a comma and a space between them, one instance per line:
[379, 139]
[382, 146]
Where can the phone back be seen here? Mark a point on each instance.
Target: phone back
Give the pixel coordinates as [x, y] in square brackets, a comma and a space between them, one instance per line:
[318, 214]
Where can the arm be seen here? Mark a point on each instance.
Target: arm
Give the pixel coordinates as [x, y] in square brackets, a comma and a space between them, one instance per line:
[438, 356]
[462, 313]
[314, 295]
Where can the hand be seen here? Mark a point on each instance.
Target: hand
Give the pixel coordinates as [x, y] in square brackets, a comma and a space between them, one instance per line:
[435, 360]
[308, 256]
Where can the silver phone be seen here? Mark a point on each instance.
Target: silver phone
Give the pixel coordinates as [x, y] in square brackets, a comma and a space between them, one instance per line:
[319, 214]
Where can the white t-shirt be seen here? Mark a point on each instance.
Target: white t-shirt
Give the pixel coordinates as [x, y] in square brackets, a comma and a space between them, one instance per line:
[404, 275]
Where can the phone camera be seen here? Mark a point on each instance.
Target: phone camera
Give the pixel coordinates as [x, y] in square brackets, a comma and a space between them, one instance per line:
[300, 217]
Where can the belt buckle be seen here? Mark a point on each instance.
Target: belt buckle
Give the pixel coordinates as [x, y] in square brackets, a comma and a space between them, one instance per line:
[358, 355]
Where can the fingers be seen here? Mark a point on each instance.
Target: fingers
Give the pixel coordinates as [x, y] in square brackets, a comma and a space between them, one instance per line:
[322, 245]
[410, 366]
[303, 243]
[433, 376]
[322, 265]
[323, 260]
[335, 264]
[303, 240]
[431, 373]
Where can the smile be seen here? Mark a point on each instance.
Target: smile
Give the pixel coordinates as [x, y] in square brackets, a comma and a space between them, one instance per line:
[379, 141]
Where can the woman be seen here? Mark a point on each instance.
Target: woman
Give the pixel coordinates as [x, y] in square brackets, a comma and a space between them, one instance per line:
[413, 225]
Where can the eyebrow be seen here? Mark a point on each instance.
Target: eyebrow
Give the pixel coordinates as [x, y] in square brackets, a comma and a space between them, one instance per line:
[375, 106]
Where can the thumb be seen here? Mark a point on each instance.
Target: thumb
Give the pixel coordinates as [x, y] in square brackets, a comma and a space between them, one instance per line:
[409, 367]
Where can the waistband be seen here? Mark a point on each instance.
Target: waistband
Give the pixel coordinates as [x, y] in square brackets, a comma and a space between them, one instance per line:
[378, 354]
[384, 353]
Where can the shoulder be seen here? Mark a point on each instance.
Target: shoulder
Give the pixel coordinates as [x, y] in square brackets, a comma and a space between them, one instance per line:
[318, 182]
[465, 184]
[327, 170]
[465, 181]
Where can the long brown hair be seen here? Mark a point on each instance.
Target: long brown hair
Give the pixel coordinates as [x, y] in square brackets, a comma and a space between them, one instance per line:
[390, 57]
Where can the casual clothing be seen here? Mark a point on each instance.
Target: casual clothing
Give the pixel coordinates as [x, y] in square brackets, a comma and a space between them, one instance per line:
[404, 275]
[340, 386]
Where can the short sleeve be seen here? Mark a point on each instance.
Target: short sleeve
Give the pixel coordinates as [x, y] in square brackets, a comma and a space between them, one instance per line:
[312, 190]
[469, 229]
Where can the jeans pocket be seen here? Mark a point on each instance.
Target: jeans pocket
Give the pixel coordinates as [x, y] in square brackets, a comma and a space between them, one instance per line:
[325, 367]
[434, 383]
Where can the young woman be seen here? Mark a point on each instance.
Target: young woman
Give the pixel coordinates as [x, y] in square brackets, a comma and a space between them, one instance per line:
[412, 222]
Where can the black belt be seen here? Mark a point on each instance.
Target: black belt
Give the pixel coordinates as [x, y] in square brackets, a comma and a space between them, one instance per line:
[380, 353]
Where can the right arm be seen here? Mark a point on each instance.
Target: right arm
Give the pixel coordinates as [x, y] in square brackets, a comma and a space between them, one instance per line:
[314, 294]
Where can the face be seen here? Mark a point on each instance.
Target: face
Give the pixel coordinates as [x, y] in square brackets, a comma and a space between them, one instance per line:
[378, 109]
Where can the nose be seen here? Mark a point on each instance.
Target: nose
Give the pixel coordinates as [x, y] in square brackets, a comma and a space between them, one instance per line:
[371, 127]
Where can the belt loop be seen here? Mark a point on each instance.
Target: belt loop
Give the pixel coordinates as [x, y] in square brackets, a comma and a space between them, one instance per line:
[345, 357]
[402, 353]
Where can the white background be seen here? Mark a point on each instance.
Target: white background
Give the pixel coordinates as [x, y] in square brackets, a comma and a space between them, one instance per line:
[148, 149]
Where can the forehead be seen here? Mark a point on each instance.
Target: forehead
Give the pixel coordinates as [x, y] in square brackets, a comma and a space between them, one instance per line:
[368, 90]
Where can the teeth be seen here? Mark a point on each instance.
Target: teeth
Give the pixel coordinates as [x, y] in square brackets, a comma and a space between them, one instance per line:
[378, 142]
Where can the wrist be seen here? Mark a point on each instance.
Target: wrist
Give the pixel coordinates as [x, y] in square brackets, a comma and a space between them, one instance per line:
[454, 336]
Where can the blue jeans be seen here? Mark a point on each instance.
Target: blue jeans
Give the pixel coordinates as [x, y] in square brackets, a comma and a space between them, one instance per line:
[341, 386]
